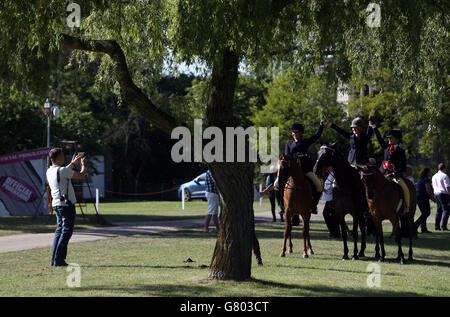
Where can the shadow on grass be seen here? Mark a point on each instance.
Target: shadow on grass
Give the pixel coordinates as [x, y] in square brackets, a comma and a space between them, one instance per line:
[324, 290]
[159, 290]
[175, 290]
[197, 267]
[340, 270]
[43, 224]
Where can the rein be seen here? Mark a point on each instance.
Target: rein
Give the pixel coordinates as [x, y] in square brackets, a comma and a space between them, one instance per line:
[295, 187]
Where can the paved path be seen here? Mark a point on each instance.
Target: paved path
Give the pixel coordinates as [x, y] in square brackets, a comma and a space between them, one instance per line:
[19, 242]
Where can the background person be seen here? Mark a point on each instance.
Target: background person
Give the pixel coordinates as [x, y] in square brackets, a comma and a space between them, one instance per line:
[441, 188]
[409, 173]
[424, 192]
[329, 213]
[63, 201]
[274, 195]
[212, 195]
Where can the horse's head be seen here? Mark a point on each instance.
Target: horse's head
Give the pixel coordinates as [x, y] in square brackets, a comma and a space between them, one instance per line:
[368, 177]
[285, 163]
[325, 157]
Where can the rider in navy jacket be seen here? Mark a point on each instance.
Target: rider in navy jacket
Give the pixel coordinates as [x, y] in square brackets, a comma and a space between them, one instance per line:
[358, 141]
[298, 149]
[394, 156]
[301, 145]
[394, 163]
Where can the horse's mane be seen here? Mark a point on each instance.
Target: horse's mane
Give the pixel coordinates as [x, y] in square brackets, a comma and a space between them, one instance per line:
[347, 176]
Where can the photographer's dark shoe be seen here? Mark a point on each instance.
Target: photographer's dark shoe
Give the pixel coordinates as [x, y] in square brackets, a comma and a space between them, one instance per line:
[61, 264]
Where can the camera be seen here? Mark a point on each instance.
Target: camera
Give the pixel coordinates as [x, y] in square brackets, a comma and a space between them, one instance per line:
[66, 200]
[83, 155]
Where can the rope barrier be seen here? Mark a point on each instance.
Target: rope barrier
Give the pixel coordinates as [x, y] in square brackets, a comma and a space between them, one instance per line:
[142, 194]
[133, 194]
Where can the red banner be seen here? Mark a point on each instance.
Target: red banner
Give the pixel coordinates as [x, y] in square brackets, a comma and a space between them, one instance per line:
[24, 156]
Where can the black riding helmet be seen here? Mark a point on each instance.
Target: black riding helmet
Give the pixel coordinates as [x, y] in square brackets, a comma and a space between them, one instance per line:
[297, 127]
[395, 133]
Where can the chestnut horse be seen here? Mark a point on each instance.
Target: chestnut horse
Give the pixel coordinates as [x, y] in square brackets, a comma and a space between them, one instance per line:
[297, 201]
[383, 198]
[349, 196]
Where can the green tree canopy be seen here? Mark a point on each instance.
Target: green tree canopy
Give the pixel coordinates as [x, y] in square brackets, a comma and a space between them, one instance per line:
[133, 39]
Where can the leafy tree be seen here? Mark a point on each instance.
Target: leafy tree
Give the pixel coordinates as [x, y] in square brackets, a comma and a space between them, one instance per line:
[20, 114]
[295, 97]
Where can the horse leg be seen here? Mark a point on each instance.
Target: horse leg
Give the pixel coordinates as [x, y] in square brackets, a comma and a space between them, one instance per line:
[380, 241]
[310, 250]
[398, 239]
[411, 233]
[355, 238]
[377, 246]
[305, 238]
[287, 229]
[290, 241]
[362, 226]
[344, 238]
[256, 249]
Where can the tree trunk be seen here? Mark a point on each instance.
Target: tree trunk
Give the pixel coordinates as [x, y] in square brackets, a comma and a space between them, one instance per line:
[232, 258]
[233, 252]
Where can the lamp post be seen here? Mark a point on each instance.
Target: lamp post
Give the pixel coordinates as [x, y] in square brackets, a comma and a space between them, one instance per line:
[48, 111]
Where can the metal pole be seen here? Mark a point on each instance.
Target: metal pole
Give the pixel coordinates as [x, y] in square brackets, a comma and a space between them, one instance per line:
[182, 197]
[97, 198]
[260, 196]
[48, 137]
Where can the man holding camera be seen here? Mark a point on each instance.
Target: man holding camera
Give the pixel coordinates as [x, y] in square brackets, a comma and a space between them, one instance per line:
[63, 200]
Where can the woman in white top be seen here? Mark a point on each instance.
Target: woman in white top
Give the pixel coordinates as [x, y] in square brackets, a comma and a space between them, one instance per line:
[329, 213]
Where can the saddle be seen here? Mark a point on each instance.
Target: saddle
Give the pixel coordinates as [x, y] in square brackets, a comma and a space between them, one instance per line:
[400, 211]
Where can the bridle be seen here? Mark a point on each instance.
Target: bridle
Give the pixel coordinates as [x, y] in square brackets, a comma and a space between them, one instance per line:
[287, 186]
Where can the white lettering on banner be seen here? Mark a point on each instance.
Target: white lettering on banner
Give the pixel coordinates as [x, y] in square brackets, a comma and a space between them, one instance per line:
[17, 189]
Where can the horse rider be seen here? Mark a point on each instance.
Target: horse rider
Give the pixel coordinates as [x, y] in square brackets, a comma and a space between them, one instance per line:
[394, 164]
[358, 141]
[298, 149]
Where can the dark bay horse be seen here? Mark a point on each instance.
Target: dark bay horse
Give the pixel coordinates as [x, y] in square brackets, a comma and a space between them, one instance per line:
[383, 198]
[349, 195]
[297, 201]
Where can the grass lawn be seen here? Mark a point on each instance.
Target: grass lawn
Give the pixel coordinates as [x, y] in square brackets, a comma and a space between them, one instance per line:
[153, 265]
[115, 212]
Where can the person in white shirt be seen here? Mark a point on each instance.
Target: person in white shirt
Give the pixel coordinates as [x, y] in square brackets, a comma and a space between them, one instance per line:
[409, 174]
[63, 201]
[329, 213]
[441, 189]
